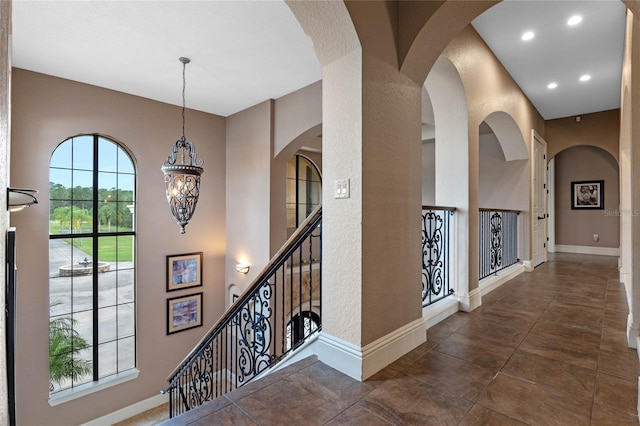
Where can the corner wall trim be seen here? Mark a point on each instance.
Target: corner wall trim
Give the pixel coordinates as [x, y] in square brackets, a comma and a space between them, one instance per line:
[362, 363]
[528, 265]
[130, 411]
[470, 301]
[599, 251]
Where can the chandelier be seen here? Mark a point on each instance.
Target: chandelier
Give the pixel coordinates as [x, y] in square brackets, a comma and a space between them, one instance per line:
[182, 181]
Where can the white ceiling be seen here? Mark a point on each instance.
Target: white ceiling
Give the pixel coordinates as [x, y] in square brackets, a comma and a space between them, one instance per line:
[244, 52]
[560, 53]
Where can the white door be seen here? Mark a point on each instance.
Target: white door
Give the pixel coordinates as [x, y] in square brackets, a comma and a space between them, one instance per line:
[539, 198]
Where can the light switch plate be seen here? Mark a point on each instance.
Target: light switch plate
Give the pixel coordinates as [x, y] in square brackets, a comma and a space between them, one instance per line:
[342, 188]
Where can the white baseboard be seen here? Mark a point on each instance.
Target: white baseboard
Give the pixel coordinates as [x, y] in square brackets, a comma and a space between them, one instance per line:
[488, 284]
[625, 277]
[638, 405]
[599, 251]
[439, 311]
[528, 265]
[130, 411]
[362, 363]
[470, 301]
[308, 348]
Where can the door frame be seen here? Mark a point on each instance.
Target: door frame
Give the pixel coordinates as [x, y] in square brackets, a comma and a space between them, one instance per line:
[533, 217]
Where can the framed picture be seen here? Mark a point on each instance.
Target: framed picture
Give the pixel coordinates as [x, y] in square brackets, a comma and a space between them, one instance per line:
[184, 312]
[184, 271]
[587, 194]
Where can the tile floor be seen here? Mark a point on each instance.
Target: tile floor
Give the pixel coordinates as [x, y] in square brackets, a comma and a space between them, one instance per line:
[547, 348]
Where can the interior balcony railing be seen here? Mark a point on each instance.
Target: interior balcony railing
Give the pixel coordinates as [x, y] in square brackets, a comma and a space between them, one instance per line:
[274, 316]
[436, 260]
[498, 240]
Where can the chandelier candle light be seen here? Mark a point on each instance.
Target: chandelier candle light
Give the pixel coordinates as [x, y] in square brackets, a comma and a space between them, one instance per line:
[182, 180]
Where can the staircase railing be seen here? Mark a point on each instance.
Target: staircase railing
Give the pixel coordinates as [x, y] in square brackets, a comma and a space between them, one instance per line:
[274, 316]
[436, 243]
[498, 240]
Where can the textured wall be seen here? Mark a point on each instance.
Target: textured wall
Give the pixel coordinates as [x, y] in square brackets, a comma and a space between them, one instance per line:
[46, 111]
[249, 141]
[576, 227]
[601, 129]
[5, 116]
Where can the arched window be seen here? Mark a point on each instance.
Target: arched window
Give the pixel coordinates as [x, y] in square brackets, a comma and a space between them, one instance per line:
[301, 326]
[304, 189]
[92, 184]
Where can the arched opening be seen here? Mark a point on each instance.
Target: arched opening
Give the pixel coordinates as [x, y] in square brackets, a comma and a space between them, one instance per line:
[591, 225]
[503, 174]
[304, 189]
[301, 325]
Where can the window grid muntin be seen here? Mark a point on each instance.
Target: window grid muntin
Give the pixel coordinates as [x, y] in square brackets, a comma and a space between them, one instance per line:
[95, 235]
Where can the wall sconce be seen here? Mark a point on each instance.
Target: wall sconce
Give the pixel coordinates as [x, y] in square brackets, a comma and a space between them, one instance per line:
[182, 181]
[20, 198]
[242, 268]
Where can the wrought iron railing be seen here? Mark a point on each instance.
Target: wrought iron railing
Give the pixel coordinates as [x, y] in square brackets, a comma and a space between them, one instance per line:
[436, 243]
[274, 316]
[498, 240]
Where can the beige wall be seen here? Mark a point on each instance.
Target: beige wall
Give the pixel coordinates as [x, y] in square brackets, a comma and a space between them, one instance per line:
[296, 113]
[576, 227]
[297, 123]
[249, 142]
[601, 129]
[46, 111]
[502, 184]
[489, 88]
[429, 173]
[5, 116]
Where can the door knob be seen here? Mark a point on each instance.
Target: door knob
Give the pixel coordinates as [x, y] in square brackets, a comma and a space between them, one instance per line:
[540, 217]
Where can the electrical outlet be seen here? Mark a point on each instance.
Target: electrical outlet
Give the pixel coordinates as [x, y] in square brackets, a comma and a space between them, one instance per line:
[596, 237]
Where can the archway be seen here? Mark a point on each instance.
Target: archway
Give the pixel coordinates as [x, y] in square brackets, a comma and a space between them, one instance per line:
[582, 228]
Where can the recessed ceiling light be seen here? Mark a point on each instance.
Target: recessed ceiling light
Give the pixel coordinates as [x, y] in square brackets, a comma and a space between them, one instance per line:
[574, 20]
[552, 85]
[528, 36]
[585, 77]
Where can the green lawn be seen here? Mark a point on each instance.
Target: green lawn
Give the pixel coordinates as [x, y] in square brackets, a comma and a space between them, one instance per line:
[111, 248]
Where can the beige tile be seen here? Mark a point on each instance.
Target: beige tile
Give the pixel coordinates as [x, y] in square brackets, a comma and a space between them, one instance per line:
[296, 397]
[404, 400]
[613, 341]
[526, 402]
[476, 350]
[356, 415]
[575, 315]
[602, 415]
[617, 392]
[547, 372]
[621, 363]
[451, 375]
[345, 388]
[446, 328]
[574, 345]
[483, 416]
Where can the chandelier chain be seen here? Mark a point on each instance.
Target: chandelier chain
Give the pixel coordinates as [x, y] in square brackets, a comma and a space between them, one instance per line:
[184, 85]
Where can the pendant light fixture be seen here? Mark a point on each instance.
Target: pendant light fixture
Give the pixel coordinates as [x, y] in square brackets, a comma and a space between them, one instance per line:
[182, 181]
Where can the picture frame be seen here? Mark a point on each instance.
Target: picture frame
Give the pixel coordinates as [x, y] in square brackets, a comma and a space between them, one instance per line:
[184, 271]
[587, 195]
[184, 313]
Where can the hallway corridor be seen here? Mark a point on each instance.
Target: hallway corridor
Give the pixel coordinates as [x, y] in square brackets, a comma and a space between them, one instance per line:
[547, 348]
